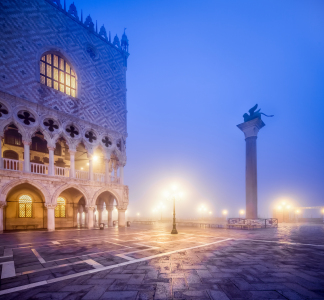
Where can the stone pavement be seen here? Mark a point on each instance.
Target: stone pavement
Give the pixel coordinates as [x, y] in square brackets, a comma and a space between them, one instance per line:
[147, 262]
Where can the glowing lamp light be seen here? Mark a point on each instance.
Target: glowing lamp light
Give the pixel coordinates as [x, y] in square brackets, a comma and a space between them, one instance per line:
[138, 214]
[241, 211]
[95, 157]
[81, 168]
[224, 212]
[87, 164]
[279, 207]
[210, 212]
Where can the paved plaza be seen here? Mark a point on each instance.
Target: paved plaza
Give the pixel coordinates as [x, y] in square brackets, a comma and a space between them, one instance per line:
[147, 262]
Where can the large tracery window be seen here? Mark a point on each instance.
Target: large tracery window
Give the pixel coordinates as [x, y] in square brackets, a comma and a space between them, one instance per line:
[60, 208]
[56, 73]
[25, 206]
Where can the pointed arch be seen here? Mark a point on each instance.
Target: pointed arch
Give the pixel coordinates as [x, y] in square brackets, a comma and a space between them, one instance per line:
[61, 189]
[109, 190]
[9, 186]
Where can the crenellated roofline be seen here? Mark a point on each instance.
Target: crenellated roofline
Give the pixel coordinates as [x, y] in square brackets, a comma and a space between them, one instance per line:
[89, 25]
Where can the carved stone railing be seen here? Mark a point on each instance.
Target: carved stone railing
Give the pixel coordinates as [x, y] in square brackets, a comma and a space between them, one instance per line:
[60, 171]
[83, 175]
[12, 164]
[99, 177]
[38, 168]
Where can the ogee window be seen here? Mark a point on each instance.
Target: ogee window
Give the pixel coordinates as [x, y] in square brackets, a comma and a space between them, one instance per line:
[56, 73]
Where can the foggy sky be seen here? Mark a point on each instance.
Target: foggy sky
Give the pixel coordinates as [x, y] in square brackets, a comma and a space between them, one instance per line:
[195, 68]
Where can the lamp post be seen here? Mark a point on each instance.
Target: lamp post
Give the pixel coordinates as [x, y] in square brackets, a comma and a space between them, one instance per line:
[241, 212]
[202, 208]
[284, 207]
[172, 196]
[224, 214]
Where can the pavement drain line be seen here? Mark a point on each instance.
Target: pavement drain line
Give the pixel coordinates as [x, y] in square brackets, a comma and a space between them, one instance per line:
[44, 282]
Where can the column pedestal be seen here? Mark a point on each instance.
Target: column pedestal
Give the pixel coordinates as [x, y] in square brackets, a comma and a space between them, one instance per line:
[251, 129]
[90, 217]
[110, 220]
[2, 206]
[121, 218]
[50, 217]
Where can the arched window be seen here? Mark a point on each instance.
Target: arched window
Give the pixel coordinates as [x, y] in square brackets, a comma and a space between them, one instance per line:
[25, 206]
[60, 208]
[56, 73]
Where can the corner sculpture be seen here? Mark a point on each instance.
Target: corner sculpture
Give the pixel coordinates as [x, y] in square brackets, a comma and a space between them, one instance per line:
[254, 114]
[250, 127]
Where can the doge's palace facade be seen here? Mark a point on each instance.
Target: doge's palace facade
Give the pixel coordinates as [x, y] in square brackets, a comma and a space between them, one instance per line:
[63, 115]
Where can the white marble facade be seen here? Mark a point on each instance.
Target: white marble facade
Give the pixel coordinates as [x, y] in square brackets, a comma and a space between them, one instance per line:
[87, 171]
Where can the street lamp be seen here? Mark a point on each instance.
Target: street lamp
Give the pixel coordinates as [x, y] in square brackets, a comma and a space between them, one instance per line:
[172, 196]
[224, 213]
[241, 212]
[161, 207]
[202, 208]
[284, 207]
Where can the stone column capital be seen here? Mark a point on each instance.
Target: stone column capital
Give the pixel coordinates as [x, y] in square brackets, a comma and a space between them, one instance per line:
[3, 204]
[90, 207]
[27, 142]
[50, 205]
[51, 148]
[251, 128]
[72, 152]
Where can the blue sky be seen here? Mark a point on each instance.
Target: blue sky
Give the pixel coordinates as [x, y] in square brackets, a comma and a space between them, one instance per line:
[194, 68]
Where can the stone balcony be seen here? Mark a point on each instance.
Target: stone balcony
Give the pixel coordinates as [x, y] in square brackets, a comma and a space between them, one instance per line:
[43, 170]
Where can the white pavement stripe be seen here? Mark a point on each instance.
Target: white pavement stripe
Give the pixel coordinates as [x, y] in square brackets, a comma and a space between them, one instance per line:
[289, 243]
[8, 252]
[41, 259]
[8, 269]
[56, 243]
[27, 286]
[93, 263]
[94, 253]
[126, 257]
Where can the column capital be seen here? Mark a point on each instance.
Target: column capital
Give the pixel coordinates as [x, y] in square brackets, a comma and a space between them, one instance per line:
[3, 204]
[251, 128]
[72, 152]
[90, 207]
[122, 206]
[27, 142]
[51, 148]
[50, 205]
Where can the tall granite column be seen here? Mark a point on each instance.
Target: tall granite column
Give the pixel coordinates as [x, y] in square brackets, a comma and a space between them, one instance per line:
[251, 129]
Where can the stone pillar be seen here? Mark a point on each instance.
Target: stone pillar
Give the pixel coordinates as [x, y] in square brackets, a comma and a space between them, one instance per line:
[90, 216]
[121, 174]
[50, 217]
[86, 218]
[90, 167]
[1, 160]
[121, 217]
[115, 171]
[2, 206]
[107, 173]
[26, 156]
[100, 212]
[110, 220]
[251, 129]
[51, 169]
[72, 163]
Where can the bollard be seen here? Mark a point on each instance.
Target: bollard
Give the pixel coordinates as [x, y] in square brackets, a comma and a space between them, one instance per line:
[102, 226]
